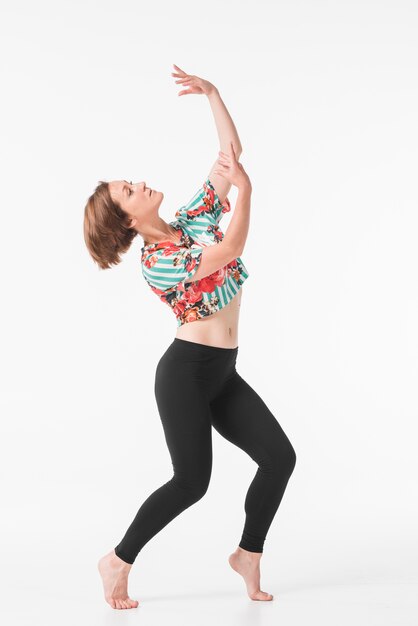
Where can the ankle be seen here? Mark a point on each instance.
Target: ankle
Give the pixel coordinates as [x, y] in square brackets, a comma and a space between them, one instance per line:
[116, 561]
[253, 556]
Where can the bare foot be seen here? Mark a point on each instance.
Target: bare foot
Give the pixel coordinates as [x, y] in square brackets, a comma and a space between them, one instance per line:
[114, 573]
[248, 565]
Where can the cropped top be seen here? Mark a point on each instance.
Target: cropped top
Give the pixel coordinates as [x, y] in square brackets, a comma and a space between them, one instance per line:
[168, 267]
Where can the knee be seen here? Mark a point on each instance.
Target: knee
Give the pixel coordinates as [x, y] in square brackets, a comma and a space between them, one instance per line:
[290, 459]
[284, 461]
[195, 488]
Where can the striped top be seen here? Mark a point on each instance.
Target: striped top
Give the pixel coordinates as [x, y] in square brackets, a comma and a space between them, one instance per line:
[168, 267]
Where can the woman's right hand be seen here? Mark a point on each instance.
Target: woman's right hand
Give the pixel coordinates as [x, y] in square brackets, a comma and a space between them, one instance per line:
[228, 167]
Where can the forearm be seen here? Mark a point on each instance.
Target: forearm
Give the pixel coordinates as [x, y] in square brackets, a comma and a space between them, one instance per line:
[224, 124]
[237, 231]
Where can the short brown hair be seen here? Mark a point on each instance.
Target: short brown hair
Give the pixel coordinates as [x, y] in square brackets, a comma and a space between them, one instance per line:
[106, 228]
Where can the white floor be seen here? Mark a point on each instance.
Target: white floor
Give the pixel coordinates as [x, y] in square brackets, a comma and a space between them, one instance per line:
[77, 599]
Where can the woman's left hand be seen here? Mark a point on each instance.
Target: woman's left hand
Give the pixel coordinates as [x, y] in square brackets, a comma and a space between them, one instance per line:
[194, 83]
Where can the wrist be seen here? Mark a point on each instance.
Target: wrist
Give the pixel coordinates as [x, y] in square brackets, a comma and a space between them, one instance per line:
[245, 187]
[214, 93]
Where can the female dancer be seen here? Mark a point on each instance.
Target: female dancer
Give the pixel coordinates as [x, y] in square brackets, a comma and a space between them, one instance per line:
[195, 269]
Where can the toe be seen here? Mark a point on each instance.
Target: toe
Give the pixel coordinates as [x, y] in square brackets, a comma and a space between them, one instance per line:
[261, 595]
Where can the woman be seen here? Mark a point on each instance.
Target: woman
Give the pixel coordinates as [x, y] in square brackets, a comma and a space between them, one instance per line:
[197, 385]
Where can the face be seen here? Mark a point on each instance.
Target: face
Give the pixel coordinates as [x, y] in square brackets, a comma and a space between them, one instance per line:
[137, 200]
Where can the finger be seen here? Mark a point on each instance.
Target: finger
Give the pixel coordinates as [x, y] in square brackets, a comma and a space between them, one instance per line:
[179, 69]
[184, 80]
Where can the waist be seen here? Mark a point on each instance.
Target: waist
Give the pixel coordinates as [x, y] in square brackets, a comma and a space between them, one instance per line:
[203, 347]
[218, 330]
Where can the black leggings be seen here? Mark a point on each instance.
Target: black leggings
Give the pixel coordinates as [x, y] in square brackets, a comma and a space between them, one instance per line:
[196, 387]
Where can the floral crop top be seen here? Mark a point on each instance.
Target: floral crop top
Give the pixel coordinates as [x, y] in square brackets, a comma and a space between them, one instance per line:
[168, 267]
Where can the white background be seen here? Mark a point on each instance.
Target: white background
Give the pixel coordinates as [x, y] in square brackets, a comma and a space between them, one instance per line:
[325, 98]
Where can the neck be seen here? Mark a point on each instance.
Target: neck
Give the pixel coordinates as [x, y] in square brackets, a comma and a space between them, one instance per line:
[167, 233]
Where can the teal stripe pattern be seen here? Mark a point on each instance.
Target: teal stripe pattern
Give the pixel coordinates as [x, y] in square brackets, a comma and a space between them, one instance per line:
[168, 267]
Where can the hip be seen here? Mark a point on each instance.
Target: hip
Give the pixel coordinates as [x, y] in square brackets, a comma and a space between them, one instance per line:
[186, 363]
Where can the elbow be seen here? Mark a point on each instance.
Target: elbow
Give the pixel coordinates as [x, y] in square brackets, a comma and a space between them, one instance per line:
[238, 251]
[237, 147]
[232, 251]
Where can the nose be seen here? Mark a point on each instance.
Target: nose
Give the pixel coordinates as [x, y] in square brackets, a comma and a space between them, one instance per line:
[144, 187]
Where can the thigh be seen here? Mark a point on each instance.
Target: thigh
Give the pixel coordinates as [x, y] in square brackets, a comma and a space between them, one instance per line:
[186, 419]
[241, 416]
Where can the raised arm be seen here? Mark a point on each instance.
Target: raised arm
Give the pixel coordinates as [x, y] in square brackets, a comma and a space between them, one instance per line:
[232, 245]
[227, 132]
[233, 242]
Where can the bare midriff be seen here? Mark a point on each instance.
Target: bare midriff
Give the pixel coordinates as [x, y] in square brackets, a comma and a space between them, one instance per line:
[219, 329]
